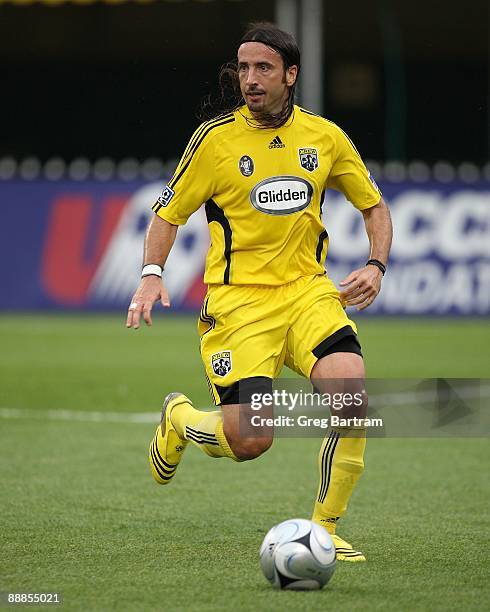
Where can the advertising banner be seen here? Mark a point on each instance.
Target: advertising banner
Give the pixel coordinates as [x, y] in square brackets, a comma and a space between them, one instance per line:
[78, 245]
[440, 257]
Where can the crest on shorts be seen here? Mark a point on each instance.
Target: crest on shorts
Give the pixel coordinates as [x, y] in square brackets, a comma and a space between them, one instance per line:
[221, 363]
[308, 158]
[246, 165]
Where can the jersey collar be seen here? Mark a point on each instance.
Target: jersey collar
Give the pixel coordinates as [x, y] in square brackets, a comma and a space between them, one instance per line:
[244, 113]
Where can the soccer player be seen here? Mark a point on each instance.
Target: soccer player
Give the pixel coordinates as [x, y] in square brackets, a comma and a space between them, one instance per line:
[261, 167]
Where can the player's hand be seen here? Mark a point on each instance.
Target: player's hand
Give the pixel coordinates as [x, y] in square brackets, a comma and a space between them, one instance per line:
[151, 289]
[361, 287]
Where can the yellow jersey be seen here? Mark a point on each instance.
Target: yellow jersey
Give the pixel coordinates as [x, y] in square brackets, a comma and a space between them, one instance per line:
[263, 191]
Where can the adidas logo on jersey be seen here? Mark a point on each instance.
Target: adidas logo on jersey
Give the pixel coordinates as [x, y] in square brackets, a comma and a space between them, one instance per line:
[276, 143]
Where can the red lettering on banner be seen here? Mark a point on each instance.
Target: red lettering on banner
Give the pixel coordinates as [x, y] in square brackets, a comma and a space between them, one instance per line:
[197, 292]
[67, 270]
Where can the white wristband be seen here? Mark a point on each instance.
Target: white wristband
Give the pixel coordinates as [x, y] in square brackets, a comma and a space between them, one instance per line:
[152, 270]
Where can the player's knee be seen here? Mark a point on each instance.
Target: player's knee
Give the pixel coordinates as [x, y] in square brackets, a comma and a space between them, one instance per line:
[250, 448]
[354, 401]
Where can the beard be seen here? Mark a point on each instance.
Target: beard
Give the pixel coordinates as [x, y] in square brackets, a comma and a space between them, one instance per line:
[267, 112]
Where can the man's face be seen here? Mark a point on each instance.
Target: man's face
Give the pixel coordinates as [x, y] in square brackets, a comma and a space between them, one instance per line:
[263, 81]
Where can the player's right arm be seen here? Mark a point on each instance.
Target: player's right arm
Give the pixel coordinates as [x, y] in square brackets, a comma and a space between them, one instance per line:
[159, 240]
[192, 184]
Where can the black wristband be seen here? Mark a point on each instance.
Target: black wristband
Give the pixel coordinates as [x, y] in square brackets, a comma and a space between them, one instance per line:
[375, 262]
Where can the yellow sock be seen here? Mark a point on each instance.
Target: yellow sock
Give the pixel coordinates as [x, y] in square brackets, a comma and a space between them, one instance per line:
[204, 429]
[340, 463]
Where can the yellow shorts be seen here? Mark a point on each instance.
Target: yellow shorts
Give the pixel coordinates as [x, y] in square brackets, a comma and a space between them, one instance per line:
[250, 331]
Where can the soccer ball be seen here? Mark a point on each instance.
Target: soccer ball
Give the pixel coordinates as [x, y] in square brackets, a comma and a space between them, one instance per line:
[297, 555]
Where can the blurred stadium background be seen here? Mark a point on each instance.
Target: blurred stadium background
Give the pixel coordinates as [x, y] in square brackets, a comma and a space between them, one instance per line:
[98, 101]
[100, 98]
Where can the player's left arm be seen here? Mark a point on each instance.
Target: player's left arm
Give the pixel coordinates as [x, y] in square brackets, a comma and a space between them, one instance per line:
[361, 286]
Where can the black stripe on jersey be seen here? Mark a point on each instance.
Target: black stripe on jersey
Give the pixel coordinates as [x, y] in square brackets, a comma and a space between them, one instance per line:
[328, 121]
[319, 247]
[191, 142]
[205, 132]
[348, 138]
[200, 130]
[307, 112]
[215, 213]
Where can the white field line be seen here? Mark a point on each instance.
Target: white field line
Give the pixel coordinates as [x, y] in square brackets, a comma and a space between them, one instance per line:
[86, 416]
[91, 416]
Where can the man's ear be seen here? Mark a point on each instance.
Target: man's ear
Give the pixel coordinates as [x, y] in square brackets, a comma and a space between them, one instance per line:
[291, 74]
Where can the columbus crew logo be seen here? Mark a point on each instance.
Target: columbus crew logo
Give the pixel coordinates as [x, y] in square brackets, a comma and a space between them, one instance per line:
[221, 363]
[308, 158]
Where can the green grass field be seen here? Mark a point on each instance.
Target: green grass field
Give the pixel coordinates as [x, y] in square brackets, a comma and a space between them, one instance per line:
[80, 514]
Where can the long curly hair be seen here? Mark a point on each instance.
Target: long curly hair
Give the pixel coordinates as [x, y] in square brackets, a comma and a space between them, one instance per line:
[229, 97]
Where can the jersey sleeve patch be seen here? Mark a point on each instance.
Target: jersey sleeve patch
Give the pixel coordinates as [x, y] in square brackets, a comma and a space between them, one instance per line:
[166, 195]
